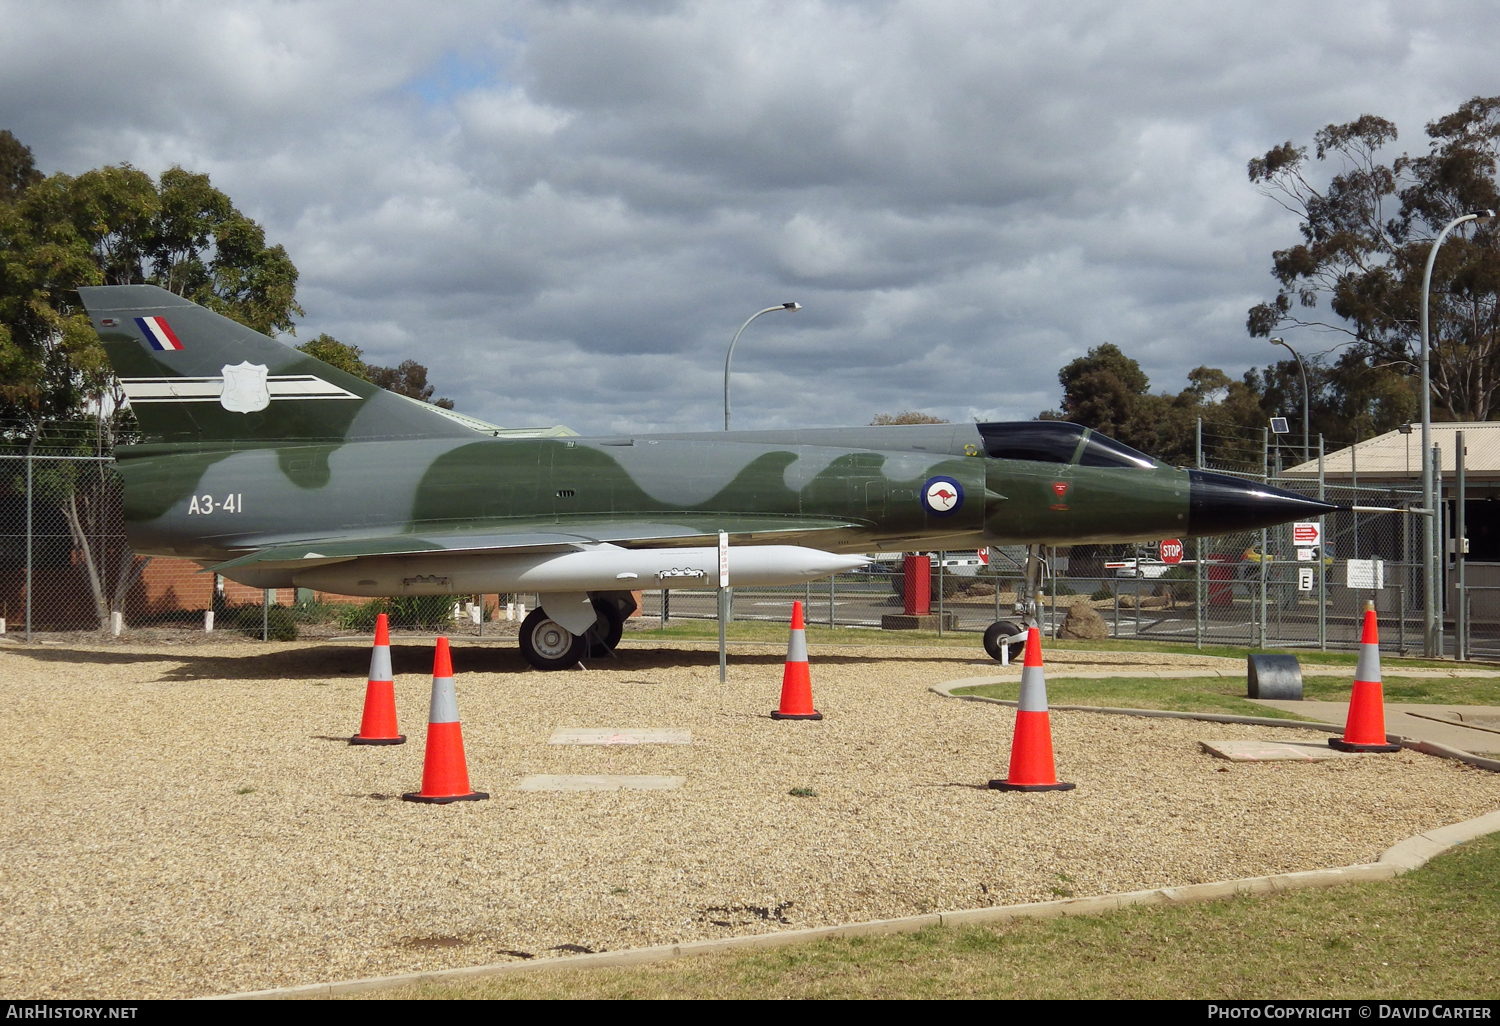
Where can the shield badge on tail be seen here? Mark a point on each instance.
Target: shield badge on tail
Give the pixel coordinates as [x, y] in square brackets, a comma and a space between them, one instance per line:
[245, 388]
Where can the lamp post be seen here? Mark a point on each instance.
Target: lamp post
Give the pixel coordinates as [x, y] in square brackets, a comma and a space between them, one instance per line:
[1306, 400]
[1429, 500]
[730, 355]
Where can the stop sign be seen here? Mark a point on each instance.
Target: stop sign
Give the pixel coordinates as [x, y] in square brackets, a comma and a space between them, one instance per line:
[1171, 551]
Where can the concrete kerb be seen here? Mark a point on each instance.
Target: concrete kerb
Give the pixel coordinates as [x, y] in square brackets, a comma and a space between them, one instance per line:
[1400, 858]
[1425, 747]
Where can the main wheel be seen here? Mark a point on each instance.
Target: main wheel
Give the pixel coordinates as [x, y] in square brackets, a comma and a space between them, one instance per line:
[548, 645]
[1005, 634]
[608, 628]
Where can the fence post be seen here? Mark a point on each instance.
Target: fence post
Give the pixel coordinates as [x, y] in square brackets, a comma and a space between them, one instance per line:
[940, 593]
[830, 599]
[265, 614]
[666, 606]
[1265, 478]
[1322, 551]
[1461, 614]
[1199, 612]
[29, 568]
[1439, 581]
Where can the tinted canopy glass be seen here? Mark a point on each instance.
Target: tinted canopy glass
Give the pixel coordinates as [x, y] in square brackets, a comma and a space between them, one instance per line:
[1041, 441]
[1103, 451]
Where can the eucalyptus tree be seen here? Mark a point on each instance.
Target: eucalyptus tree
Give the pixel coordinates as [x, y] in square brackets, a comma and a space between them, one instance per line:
[1366, 233]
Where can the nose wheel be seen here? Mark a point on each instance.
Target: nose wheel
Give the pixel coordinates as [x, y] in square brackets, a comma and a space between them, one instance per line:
[1005, 634]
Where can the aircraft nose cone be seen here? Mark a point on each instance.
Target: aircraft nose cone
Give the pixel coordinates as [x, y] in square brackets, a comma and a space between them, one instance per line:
[1220, 504]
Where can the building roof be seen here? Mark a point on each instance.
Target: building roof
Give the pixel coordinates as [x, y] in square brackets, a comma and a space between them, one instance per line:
[1397, 456]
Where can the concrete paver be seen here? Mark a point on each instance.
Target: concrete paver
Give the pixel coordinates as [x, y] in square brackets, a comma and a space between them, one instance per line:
[621, 736]
[598, 782]
[1274, 751]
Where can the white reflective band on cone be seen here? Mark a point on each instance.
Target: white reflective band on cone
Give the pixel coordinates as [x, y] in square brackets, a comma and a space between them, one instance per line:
[1368, 669]
[1033, 690]
[444, 708]
[796, 649]
[380, 663]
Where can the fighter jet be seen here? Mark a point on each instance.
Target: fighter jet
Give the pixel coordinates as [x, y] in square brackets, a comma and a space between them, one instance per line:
[276, 470]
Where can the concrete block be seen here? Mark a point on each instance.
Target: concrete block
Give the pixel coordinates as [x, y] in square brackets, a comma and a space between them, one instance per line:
[902, 622]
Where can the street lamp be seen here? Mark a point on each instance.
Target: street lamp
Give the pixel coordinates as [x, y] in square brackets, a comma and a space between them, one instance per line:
[1429, 500]
[730, 355]
[1305, 394]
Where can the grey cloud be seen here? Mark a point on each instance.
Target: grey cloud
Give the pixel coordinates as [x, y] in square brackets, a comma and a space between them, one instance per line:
[566, 210]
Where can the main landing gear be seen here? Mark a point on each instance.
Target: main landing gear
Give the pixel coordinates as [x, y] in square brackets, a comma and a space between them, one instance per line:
[549, 645]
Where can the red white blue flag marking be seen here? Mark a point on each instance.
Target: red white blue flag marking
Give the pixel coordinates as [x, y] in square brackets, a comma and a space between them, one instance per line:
[159, 333]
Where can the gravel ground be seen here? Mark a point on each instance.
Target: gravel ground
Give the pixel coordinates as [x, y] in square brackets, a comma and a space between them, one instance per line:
[189, 821]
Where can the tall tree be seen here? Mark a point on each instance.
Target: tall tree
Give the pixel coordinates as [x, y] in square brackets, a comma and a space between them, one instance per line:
[409, 379]
[331, 351]
[1103, 389]
[112, 225]
[1365, 241]
[17, 167]
[906, 417]
[116, 226]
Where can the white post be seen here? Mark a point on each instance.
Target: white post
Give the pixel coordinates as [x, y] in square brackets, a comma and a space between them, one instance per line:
[2, 625]
[723, 580]
[476, 613]
[208, 621]
[1431, 625]
[116, 623]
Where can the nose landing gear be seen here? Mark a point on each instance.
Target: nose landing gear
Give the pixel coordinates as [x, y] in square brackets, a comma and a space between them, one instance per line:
[1005, 634]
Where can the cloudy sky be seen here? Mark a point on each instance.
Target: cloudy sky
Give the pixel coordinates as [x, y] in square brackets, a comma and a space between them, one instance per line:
[567, 209]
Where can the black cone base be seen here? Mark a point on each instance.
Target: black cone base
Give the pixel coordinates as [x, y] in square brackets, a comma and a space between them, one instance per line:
[1005, 785]
[399, 739]
[1350, 746]
[777, 714]
[472, 796]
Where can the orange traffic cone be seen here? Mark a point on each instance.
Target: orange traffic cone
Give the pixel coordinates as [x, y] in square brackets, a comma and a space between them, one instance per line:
[1031, 767]
[445, 772]
[1364, 730]
[796, 680]
[378, 727]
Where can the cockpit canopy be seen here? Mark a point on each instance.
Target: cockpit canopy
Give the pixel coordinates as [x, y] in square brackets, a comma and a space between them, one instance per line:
[1058, 441]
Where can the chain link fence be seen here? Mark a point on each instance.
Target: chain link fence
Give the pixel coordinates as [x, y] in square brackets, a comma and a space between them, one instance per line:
[66, 569]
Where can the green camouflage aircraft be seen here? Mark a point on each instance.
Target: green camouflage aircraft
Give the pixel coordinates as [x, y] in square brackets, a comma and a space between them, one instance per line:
[277, 470]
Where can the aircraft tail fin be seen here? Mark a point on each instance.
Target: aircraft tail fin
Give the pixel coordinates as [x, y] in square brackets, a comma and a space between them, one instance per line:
[195, 377]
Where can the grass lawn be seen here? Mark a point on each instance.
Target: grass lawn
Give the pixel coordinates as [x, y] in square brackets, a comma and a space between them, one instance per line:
[1430, 934]
[1195, 694]
[1227, 694]
[770, 631]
